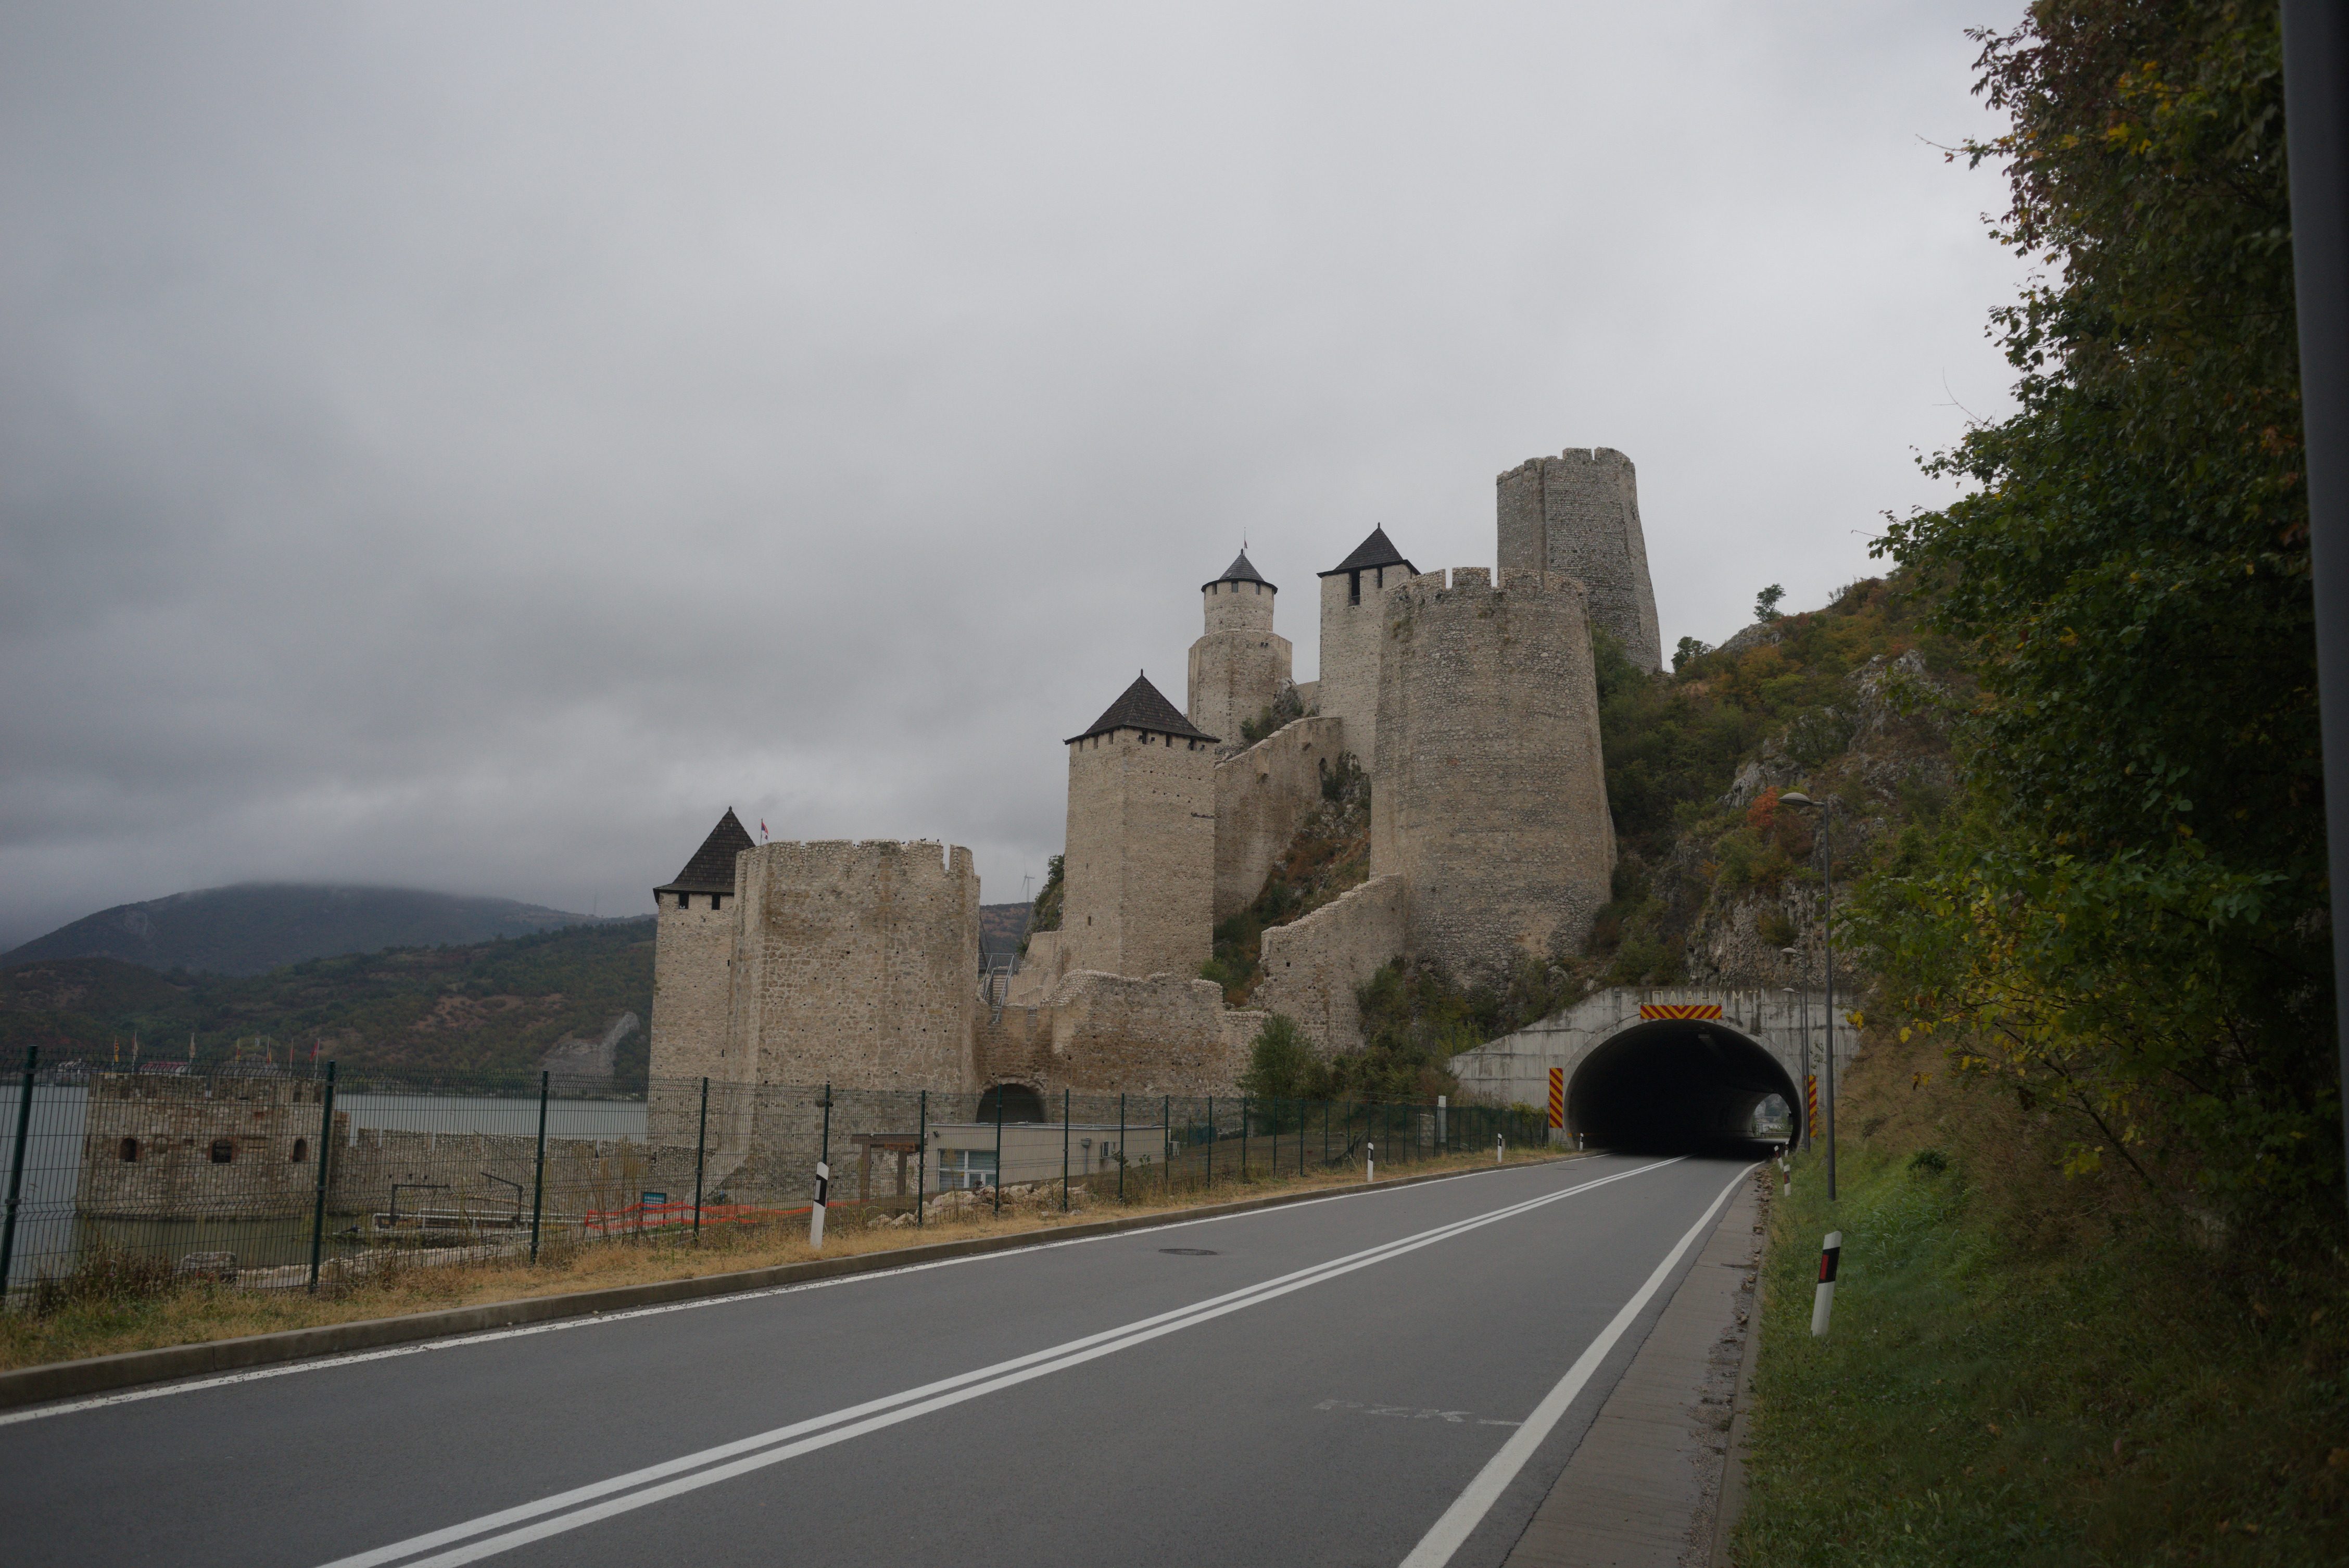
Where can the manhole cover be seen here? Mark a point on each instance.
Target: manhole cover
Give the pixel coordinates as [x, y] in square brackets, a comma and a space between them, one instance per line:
[1190, 1251]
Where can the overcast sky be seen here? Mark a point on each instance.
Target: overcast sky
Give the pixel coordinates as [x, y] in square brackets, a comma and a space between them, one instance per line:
[470, 445]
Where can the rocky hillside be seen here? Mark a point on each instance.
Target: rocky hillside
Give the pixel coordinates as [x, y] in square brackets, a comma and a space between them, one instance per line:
[255, 927]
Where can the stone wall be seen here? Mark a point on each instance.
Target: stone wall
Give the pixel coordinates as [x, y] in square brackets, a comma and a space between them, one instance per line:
[1040, 971]
[1140, 855]
[1168, 1034]
[693, 952]
[1311, 966]
[1262, 797]
[1234, 676]
[857, 965]
[147, 1146]
[1352, 636]
[1578, 514]
[1489, 796]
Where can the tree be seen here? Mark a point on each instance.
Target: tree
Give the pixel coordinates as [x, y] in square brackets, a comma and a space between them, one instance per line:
[1766, 603]
[1281, 1061]
[2133, 929]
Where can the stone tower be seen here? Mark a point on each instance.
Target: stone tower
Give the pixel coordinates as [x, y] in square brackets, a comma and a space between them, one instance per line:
[1489, 798]
[1578, 514]
[857, 964]
[1141, 863]
[1239, 665]
[1352, 627]
[693, 944]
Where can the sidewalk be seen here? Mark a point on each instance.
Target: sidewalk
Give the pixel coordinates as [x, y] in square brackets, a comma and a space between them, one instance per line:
[1644, 1489]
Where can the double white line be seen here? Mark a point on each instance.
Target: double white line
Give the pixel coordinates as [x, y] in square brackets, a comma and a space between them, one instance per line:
[517, 1526]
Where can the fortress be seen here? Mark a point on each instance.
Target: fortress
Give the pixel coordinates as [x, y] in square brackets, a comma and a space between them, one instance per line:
[1469, 699]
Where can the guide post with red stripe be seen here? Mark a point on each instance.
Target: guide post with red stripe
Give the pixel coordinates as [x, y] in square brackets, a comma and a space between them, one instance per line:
[1823, 1300]
[1557, 1097]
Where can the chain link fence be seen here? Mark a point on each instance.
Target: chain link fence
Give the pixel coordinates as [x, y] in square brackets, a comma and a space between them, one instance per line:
[266, 1176]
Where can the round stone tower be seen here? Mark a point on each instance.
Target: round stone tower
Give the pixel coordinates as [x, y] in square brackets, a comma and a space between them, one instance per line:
[1240, 665]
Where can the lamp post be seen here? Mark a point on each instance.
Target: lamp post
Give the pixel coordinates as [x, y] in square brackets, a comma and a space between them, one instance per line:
[1825, 808]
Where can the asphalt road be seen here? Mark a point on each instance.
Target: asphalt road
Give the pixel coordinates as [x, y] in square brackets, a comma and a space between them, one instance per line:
[1326, 1383]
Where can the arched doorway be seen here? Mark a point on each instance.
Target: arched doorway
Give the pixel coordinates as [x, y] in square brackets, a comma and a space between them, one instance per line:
[1019, 1103]
[1677, 1084]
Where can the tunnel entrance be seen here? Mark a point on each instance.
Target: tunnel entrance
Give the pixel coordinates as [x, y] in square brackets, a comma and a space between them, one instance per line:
[1677, 1085]
[1019, 1102]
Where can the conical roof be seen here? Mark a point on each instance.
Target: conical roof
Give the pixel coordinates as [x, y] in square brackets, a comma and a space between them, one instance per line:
[1377, 550]
[711, 869]
[1241, 570]
[1142, 708]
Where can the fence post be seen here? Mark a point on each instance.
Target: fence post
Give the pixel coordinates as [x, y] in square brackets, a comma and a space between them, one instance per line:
[1211, 1146]
[16, 1172]
[1064, 1152]
[922, 1163]
[1165, 1146]
[1244, 1139]
[325, 1152]
[1325, 1132]
[1302, 1106]
[538, 1181]
[1121, 1146]
[700, 1144]
[999, 1151]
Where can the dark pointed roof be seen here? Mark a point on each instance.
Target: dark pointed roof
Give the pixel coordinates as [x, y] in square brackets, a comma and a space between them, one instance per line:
[1143, 708]
[711, 869]
[1377, 550]
[1239, 571]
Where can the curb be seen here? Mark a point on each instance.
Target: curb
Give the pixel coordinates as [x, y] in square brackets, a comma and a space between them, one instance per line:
[98, 1373]
[1731, 1505]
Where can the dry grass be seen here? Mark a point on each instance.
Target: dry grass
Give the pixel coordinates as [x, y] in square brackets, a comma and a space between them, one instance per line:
[110, 1308]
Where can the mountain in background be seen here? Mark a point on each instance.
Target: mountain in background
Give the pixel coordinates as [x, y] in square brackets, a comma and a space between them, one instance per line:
[1000, 927]
[255, 927]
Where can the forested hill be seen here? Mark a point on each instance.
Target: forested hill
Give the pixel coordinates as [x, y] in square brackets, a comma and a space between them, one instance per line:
[489, 1006]
[255, 927]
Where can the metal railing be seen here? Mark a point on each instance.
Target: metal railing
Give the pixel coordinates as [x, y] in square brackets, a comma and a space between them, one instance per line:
[289, 1179]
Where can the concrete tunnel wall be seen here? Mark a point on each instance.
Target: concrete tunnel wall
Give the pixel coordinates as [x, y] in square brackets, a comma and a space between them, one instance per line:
[1770, 1024]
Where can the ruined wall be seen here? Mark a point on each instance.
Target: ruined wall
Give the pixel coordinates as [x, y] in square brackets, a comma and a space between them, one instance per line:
[1489, 798]
[1262, 797]
[857, 964]
[1141, 856]
[271, 1127]
[1352, 635]
[1311, 966]
[1040, 971]
[1578, 514]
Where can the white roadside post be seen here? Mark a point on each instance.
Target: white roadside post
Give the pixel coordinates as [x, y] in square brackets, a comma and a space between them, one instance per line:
[1370, 1160]
[1500, 1147]
[1823, 1301]
[816, 1216]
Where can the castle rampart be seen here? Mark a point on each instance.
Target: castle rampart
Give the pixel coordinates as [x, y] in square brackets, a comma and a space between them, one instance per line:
[1578, 514]
[1353, 625]
[1262, 797]
[858, 963]
[1312, 966]
[1489, 796]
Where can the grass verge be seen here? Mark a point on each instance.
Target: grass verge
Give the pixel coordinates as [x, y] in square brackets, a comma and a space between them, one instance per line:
[120, 1309]
[2024, 1369]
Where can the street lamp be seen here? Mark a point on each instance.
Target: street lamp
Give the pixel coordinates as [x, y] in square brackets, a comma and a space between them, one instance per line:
[1825, 808]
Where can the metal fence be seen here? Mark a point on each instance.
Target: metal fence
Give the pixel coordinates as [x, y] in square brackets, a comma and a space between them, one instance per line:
[266, 1176]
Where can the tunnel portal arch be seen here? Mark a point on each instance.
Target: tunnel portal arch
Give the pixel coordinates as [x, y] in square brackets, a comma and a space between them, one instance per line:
[1019, 1102]
[1675, 1083]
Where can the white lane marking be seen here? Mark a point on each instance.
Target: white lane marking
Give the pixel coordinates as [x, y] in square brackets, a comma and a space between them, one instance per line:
[874, 1415]
[1468, 1510]
[459, 1342]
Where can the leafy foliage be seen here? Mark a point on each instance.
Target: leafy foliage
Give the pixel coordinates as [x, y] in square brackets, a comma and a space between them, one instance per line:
[2129, 923]
[1329, 856]
[1284, 708]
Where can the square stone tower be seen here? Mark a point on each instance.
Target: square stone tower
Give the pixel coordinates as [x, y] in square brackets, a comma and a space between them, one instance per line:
[693, 947]
[1141, 863]
[1490, 794]
[1578, 514]
[1239, 665]
[857, 964]
[1353, 629]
